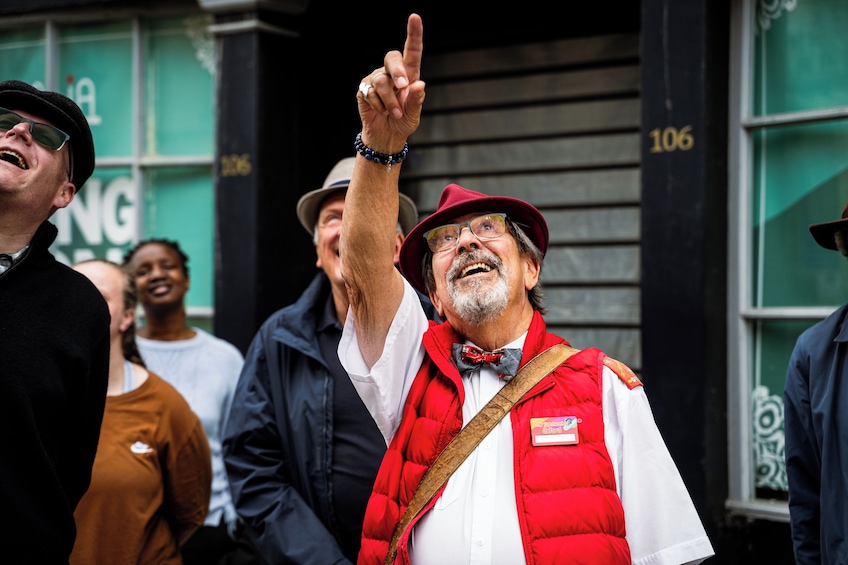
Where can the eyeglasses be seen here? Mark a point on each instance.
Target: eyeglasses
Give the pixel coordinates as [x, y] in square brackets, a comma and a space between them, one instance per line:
[446, 237]
[47, 135]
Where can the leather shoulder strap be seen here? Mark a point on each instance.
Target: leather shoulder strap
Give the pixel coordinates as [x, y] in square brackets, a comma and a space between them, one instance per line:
[473, 433]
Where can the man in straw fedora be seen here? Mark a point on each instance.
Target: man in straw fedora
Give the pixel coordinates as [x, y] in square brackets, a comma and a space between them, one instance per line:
[577, 471]
[300, 448]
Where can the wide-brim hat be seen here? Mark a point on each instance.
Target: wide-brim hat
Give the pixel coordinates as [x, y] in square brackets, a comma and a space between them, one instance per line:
[60, 111]
[824, 233]
[337, 181]
[457, 201]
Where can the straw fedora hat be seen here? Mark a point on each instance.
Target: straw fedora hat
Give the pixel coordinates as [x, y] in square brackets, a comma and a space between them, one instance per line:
[337, 181]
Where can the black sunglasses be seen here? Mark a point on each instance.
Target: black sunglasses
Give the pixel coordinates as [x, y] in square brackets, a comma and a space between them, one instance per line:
[45, 134]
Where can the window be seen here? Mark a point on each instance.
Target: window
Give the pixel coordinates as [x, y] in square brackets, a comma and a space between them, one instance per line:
[146, 86]
[788, 169]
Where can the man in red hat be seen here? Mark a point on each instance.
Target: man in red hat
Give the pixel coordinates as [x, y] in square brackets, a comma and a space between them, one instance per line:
[816, 423]
[607, 491]
[54, 329]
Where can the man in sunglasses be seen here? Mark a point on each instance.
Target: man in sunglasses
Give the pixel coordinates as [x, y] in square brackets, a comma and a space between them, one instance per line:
[54, 329]
[577, 471]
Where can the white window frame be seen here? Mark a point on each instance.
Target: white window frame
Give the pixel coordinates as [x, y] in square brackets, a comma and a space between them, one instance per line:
[138, 163]
[742, 317]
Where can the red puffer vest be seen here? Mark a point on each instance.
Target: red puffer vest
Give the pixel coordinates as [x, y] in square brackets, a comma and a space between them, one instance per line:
[579, 519]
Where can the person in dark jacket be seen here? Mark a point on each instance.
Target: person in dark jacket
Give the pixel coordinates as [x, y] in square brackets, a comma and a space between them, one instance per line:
[54, 329]
[816, 421]
[300, 448]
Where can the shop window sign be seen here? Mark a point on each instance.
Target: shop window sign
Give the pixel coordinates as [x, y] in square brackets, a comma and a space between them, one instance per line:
[100, 222]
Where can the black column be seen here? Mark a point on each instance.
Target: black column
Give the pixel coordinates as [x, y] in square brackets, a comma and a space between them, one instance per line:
[685, 86]
[263, 257]
[684, 244]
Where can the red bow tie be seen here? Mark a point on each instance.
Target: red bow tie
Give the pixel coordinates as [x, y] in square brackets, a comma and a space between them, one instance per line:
[469, 358]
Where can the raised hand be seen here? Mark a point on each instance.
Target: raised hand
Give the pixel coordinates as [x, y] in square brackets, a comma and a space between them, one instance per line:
[390, 97]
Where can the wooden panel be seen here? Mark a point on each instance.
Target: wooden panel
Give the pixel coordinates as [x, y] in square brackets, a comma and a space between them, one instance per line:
[541, 123]
[592, 306]
[621, 344]
[580, 188]
[581, 83]
[614, 264]
[614, 150]
[580, 51]
[530, 121]
[593, 225]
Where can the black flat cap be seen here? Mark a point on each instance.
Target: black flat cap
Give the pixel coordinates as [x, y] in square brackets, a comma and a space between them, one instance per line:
[63, 113]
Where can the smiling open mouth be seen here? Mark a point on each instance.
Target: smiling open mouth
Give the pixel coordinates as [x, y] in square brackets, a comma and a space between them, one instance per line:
[14, 158]
[159, 289]
[474, 268]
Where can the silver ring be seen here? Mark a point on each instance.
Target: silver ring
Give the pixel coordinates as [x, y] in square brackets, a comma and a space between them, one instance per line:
[380, 73]
[364, 87]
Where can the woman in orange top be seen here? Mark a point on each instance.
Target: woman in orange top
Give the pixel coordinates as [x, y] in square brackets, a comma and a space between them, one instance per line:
[150, 483]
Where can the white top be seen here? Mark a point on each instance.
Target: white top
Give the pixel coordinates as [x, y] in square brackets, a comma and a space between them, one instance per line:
[205, 370]
[663, 527]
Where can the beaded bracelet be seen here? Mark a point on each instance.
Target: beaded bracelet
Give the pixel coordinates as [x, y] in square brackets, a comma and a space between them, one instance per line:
[380, 158]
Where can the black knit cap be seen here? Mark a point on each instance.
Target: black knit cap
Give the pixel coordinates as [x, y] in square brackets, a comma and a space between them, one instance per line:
[60, 111]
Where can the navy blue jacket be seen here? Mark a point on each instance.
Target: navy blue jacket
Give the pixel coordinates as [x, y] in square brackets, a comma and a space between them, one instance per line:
[278, 439]
[816, 422]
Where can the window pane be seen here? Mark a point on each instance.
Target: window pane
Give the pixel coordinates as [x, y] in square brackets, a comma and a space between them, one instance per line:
[774, 341]
[101, 220]
[800, 177]
[95, 69]
[800, 56]
[179, 204]
[22, 56]
[179, 112]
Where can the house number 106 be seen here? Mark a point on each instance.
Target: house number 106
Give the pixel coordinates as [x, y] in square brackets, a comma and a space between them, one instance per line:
[672, 139]
[235, 165]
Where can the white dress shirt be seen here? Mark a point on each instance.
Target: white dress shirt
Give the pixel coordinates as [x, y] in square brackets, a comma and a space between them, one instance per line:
[475, 521]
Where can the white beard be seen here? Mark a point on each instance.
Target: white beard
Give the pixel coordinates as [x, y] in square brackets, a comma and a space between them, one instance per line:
[473, 302]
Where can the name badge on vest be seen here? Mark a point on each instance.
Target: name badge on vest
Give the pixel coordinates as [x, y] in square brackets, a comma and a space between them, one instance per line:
[559, 430]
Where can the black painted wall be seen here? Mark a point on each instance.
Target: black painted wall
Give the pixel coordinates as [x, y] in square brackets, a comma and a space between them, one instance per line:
[685, 66]
[260, 246]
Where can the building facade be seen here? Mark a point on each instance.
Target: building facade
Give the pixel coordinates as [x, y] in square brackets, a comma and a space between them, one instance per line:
[678, 151]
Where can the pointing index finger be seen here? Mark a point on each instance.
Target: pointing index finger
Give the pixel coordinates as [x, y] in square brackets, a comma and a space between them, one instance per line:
[413, 47]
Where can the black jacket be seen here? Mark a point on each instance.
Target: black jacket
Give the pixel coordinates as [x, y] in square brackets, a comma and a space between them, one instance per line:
[54, 364]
